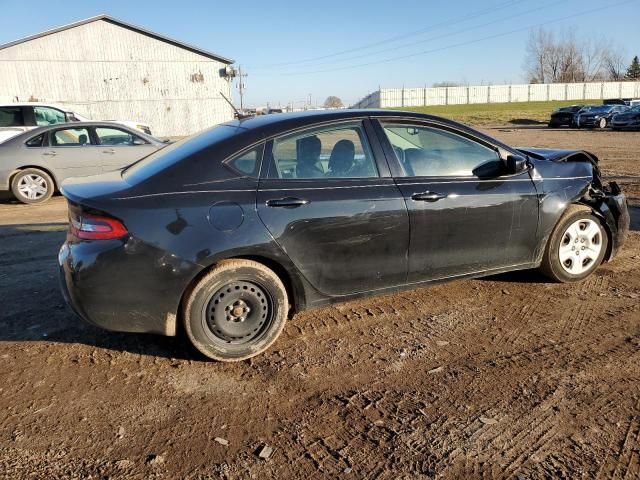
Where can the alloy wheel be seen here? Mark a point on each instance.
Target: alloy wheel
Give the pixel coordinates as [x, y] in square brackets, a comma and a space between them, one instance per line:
[580, 247]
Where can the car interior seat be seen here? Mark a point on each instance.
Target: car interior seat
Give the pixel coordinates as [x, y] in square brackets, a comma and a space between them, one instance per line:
[342, 157]
[82, 139]
[308, 166]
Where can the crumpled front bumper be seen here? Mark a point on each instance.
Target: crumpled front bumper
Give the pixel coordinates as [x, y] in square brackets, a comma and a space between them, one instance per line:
[615, 212]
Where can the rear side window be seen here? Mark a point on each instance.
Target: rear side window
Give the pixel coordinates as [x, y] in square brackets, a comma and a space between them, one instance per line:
[35, 141]
[11, 117]
[246, 163]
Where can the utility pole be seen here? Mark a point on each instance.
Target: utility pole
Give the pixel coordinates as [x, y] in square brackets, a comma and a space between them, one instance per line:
[241, 85]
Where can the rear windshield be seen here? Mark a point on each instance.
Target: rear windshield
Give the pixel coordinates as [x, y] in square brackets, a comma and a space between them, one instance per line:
[175, 152]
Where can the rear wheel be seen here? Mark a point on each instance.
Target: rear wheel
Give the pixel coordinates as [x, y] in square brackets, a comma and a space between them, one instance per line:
[236, 311]
[32, 185]
[576, 247]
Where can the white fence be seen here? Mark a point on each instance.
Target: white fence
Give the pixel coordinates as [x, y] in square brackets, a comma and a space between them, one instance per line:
[416, 97]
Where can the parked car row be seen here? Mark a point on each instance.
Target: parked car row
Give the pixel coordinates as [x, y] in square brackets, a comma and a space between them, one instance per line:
[616, 115]
[34, 163]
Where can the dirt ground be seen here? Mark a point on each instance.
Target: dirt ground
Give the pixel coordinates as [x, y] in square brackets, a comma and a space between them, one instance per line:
[504, 377]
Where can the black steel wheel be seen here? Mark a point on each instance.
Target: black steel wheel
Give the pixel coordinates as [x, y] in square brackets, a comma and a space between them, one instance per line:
[236, 311]
[240, 312]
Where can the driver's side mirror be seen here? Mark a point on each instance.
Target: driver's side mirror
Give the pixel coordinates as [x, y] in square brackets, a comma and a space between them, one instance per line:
[138, 141]
[516, 164]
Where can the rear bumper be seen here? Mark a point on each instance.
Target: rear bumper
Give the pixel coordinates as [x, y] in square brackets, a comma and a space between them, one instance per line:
[123, 285]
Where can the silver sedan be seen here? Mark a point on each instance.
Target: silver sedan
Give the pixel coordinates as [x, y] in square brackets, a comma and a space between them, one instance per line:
[33, 164]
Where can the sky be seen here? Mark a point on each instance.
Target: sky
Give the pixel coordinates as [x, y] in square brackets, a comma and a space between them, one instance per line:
[296, 51]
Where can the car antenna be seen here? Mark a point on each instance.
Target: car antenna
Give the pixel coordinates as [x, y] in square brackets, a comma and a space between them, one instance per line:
[239, 115]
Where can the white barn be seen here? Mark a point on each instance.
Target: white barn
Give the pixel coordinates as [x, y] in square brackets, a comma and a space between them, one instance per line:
[106, 69]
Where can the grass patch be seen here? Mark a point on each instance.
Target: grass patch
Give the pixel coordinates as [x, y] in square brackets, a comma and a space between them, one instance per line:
[524, 113]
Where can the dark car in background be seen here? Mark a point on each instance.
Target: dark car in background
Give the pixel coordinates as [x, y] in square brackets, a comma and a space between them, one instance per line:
[231, 231]
[564, 116]
[598, 116]
[629, 120]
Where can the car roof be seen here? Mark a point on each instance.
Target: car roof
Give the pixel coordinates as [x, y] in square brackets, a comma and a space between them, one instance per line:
[36, 104]
[279, 123]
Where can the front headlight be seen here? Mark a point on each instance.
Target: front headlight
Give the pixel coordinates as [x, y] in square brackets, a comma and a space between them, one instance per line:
[596, 117]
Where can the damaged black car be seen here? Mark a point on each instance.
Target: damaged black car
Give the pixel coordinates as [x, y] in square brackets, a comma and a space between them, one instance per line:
[564, 116]
[228, 233]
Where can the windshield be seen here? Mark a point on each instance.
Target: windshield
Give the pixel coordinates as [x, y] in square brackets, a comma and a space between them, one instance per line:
[172, 154]
[601, 108]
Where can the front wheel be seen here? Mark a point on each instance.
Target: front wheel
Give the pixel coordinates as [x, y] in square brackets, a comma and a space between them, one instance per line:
[576, 247]
[236, 311]
[32, 185]
[602, 123]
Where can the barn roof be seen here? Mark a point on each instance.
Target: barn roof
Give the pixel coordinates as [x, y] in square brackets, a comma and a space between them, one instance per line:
[129, 26]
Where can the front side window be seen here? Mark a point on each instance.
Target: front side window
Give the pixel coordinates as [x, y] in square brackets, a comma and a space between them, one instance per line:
[116, 136]
[328, 152]
[11, 117]
[430, 152]
[48, 116]
[71, 137]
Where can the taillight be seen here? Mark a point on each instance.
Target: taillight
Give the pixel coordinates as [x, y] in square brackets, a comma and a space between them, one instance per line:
[95, 227]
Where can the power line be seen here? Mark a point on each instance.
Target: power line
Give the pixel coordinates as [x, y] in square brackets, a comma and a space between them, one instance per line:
[449, 34]
[445, 23]
[446, 47]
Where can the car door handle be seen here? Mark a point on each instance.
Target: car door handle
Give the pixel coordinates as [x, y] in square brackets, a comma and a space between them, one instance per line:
[50, 154]
[288, 202]
[111, 151]
[428, 196]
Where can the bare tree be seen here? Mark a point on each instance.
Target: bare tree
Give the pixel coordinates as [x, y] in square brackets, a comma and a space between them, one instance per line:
[333, 102]
[614, 65]
[566, 59]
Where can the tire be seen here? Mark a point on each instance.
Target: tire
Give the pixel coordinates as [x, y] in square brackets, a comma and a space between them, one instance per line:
[576, 247]
[602, 123]
[227, 303]
[32, 186]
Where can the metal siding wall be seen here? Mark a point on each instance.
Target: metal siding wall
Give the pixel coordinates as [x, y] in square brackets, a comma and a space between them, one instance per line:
[105, 71]
[412, 97]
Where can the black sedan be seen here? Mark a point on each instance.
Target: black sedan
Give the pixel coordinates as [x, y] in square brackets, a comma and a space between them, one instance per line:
[229, 232]
[598, 116]
[629, 120]
[564, 116]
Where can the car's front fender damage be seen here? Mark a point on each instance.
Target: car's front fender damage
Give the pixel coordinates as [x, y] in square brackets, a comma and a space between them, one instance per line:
[568, 177]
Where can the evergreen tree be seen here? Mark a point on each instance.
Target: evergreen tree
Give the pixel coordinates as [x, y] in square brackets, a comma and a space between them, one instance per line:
[633, 72]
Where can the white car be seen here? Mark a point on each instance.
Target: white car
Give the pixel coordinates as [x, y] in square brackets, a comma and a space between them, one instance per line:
[16, 118]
